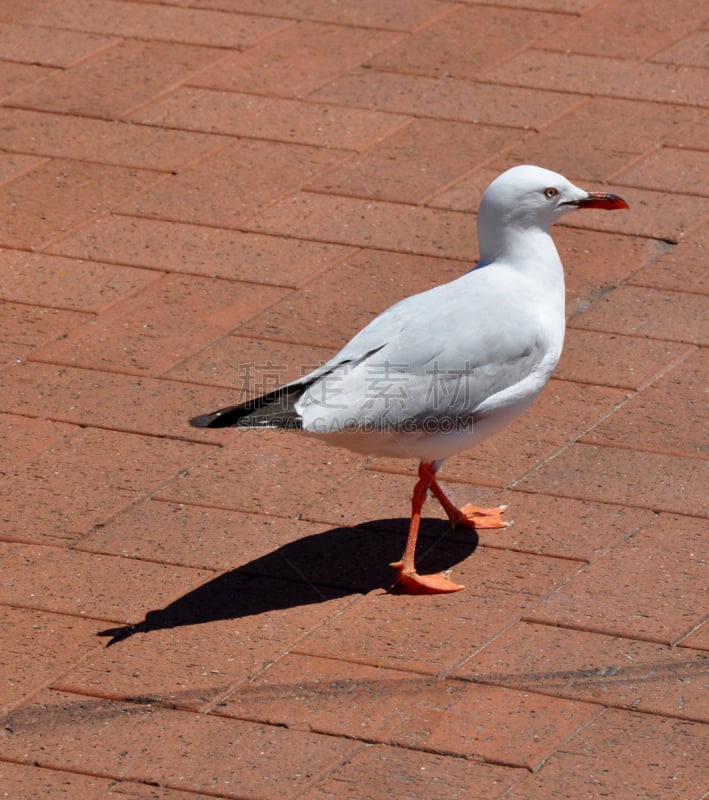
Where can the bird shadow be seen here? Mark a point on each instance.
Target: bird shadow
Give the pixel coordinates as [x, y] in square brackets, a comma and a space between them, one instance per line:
[312, 569]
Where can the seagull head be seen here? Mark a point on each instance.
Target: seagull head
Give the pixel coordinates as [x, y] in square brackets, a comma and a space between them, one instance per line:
[528, 198]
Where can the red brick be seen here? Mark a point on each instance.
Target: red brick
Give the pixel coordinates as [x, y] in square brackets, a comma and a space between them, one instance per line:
[404, 15]
[165, 23]
[368, 223]
[119, 78]
[12, 353]
[613, 77]
[250, 544]
[263, 471]
[563, 412]
[465, 194]
[211, 640]
[27, 782]
[325, 311]
[642, 311]
[112, 588]
[416, 161]
[666, 416]
[695, 135]
[596, 139]
[563, 6]
[23, 438]
[36, 646]
[108, 142]
[626, 29]
[60, 194]
[699, 638]
[18, 10]
[625, 755]
[644, 588]
[233, 183]
[452, 98]
[203, 538]
[33, 326]
[628, 477]
[13, 165]
[659, 171]
[32, 45]
[623, 673]
[201, 250]
[278, 119]
[108, 400]
[34, 278]
[71, 487]
[233, 758]
[531, 727]
[690, 51]
[610, 359]
[459, 44]
[343, 699]
[381, 771]
[16, 77]
[434, 633]
[295, 61]
[249, 366]
[682, 267]
[134, 790]
[171, 319]
[551, 526]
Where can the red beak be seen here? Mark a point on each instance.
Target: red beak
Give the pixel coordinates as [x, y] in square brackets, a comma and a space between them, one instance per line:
[611, 202]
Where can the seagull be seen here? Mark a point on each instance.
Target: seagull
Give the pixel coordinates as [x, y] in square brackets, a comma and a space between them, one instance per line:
[440, 371]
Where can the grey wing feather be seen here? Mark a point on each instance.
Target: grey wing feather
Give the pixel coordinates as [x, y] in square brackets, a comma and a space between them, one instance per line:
[398, 373]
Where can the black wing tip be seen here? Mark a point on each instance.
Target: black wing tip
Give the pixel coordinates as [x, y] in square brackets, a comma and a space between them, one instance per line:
[223, 418]
[274, 410]
[204, 420]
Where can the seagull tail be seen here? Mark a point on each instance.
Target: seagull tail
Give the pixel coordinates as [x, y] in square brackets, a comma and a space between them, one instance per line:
[273, 410]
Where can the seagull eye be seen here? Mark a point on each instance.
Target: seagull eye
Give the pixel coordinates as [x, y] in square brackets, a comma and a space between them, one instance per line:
[551, 192]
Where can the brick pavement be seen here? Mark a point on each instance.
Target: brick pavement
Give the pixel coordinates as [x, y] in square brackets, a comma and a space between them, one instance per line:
[196, 186]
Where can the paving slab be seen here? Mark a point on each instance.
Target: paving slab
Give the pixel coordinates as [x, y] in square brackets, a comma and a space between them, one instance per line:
[29, 44]
[85, 479]
[382, 705]
[380, 499]
[650, 312]
[210, 641]
[664, 758]
[37, 279]
[661, 481]
[171, 319]
[104, 141]
[637, 594]
[200, 250]
[434, 636]
[383, 771]
[279, 119]
[59, 194]
[618, 672]
[118, 79]
[78, 733]
[296, 61]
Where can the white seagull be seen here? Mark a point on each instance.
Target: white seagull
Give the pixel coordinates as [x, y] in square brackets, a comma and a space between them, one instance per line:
[442, 370]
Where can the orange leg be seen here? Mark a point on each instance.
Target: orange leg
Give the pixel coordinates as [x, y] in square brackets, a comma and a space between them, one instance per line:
[469, 516]
[408, 579]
